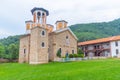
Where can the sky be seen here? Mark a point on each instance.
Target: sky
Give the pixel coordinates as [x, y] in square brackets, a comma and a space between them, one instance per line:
[14, 13]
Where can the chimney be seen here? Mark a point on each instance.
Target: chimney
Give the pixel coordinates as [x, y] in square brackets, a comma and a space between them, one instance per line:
[61, 24]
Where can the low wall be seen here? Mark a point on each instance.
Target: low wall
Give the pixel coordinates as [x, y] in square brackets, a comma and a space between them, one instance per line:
[4, 60]
[7, 60]
[77, 59]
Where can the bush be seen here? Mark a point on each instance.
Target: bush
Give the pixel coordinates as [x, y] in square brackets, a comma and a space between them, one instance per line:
[71, 56]
[75, 55]
[59, 53]
[81, 55]
[63, 57]
[80, 51]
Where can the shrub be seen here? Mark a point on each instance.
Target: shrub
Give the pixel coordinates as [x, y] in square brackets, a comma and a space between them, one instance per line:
[80, 51]
[63, 57]
[58, 53]
[70, 55]
[81, 55]
[75, 55]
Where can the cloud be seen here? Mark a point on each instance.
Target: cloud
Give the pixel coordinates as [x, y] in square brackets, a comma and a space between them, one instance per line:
[14, 13]
[5, 33]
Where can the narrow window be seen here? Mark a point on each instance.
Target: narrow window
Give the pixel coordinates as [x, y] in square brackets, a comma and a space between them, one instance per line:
[117, 51]
[73, 52]
[60, 50]
[43, 14]
[116, 43]
[66, 37]
[24, 51]
[67, 40]
[43, 44]
[43, 33]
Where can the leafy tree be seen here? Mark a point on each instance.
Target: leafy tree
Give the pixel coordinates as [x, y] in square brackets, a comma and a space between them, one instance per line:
[2, 50]
[13, 51]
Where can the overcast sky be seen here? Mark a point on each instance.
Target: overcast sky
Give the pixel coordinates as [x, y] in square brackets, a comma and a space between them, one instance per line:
[14, 13]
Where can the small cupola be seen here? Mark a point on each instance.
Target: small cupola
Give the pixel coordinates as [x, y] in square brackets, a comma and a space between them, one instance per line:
[61, 24]
[28, 26]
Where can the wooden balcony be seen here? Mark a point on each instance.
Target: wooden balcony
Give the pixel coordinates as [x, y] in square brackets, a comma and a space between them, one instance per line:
[94, 50]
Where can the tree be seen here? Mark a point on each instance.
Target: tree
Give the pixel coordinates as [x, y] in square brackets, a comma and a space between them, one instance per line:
[2, 50]
[13, 51]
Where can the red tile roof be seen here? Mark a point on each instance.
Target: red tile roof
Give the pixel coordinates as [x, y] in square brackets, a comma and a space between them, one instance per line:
[114, 38]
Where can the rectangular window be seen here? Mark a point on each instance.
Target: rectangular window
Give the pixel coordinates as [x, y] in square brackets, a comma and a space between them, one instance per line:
[86, 48]
[98, 47]
[94, 47]
[117, 51]
[73, 52]
[116, 43]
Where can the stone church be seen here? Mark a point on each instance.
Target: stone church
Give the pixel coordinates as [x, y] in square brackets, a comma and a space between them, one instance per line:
[41, 42]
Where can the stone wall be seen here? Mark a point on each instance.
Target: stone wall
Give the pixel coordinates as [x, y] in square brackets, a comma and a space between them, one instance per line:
[37, 53]
[59, 41]
[24, 49]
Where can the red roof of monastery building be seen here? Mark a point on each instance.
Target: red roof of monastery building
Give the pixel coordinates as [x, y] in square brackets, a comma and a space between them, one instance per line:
[109, 39]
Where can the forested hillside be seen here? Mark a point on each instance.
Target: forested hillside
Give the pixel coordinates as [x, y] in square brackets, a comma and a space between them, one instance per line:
[92, 31]
[9, 47]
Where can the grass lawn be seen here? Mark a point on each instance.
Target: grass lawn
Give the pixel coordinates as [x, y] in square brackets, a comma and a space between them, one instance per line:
[108, 69]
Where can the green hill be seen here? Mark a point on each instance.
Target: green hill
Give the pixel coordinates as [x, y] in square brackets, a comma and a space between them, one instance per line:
[10, 45]
[92, 31]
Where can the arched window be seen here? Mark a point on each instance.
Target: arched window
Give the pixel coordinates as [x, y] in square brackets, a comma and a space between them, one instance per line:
[73, 52]
[43, 33]
[67, 41]
[60, 50]
[43, 14]
[24, 51]
[38, 14]
[66, 37]
[43, 44]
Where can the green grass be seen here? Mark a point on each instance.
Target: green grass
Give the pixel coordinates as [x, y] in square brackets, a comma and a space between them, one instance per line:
[84, 70]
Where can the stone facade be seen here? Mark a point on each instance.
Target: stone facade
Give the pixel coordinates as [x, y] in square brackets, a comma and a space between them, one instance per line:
[38, 54]
[24, 49]
[64, 40]
[41, 44]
